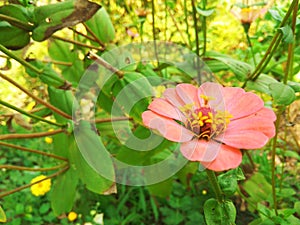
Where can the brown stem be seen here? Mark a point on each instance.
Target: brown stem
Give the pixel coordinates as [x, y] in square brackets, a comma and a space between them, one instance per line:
[39, 100]
[29, 185]
[105, 64]
[94, 35]
[13, 167]
[33, 151]
[76, 43]
[30, 135]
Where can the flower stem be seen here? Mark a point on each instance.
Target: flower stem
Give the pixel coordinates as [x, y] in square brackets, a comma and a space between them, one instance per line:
[197, 41]
[251, 48]
[215, 185]
[30, 115]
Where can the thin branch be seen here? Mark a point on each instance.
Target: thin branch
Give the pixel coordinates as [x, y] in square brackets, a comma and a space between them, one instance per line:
[29, 185]
[33, 151]
[94, 35]
[105, 64]
[30, 135]
[39, 100]
[24, 168]
[111, 119]
[76, 43]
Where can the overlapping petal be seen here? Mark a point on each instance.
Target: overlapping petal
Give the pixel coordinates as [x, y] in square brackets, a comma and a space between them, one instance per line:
[164, 108]
[167, 127]
[228, 158]
[188, 94]
[172, 97]
[215, 92]
[200, 150]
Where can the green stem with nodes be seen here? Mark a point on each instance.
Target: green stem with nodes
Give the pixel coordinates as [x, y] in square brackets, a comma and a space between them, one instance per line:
[30, 135]
[33, 151]
[24, 168]
[30, 115]
[17, 23]
[29, 185]
[20, 60]
[39, 100]
[215, 185]
[272, 47]
[197, 41]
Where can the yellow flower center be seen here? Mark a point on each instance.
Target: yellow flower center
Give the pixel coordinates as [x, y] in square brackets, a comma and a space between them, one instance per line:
[205, 122]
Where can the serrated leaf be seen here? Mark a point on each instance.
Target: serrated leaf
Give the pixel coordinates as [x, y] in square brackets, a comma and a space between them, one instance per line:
[2, 215]
[63, 192]
[282, 94]
[206, 12]
[288, 35]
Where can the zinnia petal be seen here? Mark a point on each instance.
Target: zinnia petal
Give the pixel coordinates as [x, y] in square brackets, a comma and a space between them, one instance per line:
[262, 121]
[164, 108]
[240, 103]
[249, 139]
[228, 158]
[172, 97]
[188, 93]
[167, 127]
[200, 150]
[215, 92]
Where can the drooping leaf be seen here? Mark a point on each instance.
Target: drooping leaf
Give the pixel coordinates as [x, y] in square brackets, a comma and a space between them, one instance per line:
[101, 26]
[53, 17]
[92, 180]
[93, 151]
[282, 94]
[63, 192]
[294, 85]
[275, 14]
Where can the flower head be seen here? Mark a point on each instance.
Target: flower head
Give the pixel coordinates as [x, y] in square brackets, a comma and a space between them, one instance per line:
[211, 122]
[72, 216]
[42, 187]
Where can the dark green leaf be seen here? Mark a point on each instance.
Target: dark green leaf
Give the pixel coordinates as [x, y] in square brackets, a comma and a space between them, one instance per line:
[162, 189]
[282, 94]
[53, 17]
[12, 37]
[63, 192]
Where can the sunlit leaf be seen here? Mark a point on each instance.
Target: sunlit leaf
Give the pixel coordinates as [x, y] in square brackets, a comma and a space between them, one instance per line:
[2, 215]
[282, 94]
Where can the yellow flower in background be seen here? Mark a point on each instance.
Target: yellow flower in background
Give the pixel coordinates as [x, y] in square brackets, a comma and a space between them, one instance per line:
[48, 140]
[42, 187]
[159, 90]
[72, 216]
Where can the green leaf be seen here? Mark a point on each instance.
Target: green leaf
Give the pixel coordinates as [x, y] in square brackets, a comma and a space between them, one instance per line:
[60, 51]
[93, 151]
[161, 189]
[282, 94]
[92, 180]
[63, 192]
[12, 37]
[16, 11]
[275, 14]
[288, 35]
[294, 85]
[223, 213]
[262, 84]
[2, 215]
[297, 207]
[53, 17]
[239, 68]
[205, 12]
[101, 26]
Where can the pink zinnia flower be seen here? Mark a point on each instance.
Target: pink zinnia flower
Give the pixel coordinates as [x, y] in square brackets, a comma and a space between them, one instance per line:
[211, 122]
